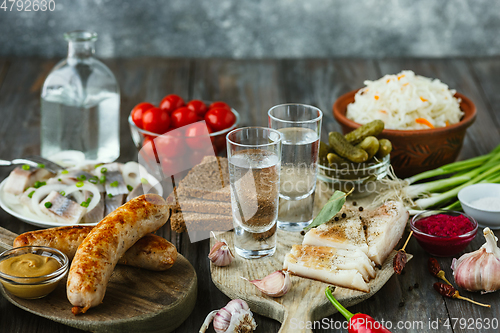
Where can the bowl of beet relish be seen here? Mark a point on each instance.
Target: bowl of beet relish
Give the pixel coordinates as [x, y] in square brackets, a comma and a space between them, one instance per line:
[443, 233]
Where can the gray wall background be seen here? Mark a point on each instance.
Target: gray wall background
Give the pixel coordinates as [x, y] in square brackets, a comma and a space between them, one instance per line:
[260, 28]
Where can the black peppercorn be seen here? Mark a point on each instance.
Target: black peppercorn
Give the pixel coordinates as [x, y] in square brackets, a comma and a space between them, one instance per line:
[302, 232]
[336, 218]
[360, 209]
[354, 203]
[344, 215]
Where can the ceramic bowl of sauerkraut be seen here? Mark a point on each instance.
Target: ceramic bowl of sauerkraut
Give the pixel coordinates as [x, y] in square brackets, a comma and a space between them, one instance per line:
[424, 119]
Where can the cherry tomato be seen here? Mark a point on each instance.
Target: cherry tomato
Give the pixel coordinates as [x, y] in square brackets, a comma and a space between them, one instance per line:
[183, 116]
[156, 120]
[168, 166]
[197, 135]
[148, 151]
[219, 119]
[169, 145]
[138, 111]
[197, 106]
[172, 102]
[219, 105]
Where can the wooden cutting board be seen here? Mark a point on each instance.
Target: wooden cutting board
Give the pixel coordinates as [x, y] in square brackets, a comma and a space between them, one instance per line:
[306, 300]
[136, 300]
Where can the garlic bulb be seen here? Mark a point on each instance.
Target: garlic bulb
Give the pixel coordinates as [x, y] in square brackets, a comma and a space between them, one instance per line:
[275, 284]
[479, 270]
[220, 254]
[235, 317]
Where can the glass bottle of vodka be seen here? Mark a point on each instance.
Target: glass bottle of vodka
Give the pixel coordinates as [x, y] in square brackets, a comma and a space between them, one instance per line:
[80, 106]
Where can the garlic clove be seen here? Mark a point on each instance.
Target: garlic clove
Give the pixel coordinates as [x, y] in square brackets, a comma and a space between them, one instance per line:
[235, 317]
[275, 284]
[221, 254]
[479, 270]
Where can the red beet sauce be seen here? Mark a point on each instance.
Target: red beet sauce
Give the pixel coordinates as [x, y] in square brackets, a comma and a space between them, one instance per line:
[443, 233]
[444, 225]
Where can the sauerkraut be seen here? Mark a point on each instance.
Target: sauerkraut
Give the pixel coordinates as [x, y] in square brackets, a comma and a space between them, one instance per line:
[406, 102]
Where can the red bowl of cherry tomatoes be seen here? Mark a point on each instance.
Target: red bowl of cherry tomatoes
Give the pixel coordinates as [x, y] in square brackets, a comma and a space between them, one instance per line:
[174, 129]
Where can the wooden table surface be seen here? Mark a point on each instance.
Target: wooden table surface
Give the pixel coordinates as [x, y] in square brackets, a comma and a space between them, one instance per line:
[252, 87]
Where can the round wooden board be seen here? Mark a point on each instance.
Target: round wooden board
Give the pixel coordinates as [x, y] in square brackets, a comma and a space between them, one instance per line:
[306, 300]
[136, 300]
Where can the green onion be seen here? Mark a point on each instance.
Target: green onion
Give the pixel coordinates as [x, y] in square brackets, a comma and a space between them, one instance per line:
[94, 180]
[103, 179]
[41, 165]
[129, 187]
[484, 168]
[86, 202]
[48, 204]
[114, 184]
[144, 181]
[82, 177]
[79, 184]
[31, 194]
[39, 184]
[64, 172]
[62, 193]
[26, 167]
[422, 191]
[98, 165]
[104, 170]
[110, 195]
[59, 180]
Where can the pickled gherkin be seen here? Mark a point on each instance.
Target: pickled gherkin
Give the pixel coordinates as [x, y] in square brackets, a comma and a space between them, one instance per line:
[370, 144]
[324, 149]
[384, 149]
[343, 148]
[373, 128]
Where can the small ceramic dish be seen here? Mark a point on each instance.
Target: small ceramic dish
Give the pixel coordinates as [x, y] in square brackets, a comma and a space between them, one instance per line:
[442, 246]
[36, 286]
[362, 177]
[416, 151]
[482, 202]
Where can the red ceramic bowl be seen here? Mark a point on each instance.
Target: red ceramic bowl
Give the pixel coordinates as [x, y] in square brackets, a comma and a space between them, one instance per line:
[442, 246]
[416, 151]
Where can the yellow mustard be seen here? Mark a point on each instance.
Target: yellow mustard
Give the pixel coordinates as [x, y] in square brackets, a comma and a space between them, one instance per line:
[32, 266]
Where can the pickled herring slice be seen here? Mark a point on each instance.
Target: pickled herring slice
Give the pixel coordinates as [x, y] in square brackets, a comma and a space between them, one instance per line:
[61, 209]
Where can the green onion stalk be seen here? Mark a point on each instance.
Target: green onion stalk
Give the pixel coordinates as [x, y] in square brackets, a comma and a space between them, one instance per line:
[436, 193]
[490, 170]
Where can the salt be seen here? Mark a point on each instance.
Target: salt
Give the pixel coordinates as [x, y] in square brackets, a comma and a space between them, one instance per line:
[487, 203]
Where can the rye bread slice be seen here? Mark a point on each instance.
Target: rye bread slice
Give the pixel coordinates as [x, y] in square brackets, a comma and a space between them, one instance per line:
[195, 205]
[208, 180]
[179, 222]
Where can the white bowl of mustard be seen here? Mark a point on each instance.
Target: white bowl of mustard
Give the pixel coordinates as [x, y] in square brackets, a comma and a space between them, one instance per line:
[32, 272]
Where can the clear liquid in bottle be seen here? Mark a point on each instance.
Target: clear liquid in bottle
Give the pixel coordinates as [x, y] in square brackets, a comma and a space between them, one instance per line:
[80, 107]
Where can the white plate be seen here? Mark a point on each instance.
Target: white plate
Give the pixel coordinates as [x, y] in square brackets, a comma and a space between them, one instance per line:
[51, 224]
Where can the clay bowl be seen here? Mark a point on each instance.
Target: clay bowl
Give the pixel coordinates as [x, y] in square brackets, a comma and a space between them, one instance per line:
[416, 151]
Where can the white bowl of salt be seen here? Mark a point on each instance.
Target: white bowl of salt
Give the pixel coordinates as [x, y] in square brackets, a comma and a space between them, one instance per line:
[482, 202]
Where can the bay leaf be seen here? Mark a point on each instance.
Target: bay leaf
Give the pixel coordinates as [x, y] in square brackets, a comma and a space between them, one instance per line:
[329, 210]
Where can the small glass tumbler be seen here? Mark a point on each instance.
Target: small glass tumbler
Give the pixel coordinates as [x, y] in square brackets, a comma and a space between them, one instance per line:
[254, 155]
[300, 126]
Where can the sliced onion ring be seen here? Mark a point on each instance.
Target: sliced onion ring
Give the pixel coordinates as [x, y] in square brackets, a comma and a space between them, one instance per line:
[86, 187]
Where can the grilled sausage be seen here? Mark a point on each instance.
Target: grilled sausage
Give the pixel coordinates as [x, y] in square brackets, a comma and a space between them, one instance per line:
[150, 252]
[97, 256]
